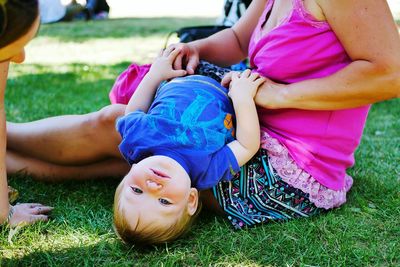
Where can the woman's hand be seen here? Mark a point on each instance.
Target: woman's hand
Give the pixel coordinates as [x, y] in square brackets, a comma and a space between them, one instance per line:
[161, 69]
[272, 95]
[29, 213]
[187, 59]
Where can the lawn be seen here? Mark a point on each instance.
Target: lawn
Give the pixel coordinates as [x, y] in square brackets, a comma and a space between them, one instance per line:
[71, 68]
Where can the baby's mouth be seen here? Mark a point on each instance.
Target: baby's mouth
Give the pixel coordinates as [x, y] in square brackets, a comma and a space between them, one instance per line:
[160, 174]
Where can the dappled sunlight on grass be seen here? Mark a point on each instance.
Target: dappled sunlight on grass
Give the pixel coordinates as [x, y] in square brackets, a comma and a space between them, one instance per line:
[96, 51]
[118, 28]
[104, 42]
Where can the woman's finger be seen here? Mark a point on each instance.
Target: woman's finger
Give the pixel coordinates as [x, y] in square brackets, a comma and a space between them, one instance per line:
[29, 205]
[38, 218]
[41, 210]
[192, 64]
[177, 64]
[226, 80]
[179, 73]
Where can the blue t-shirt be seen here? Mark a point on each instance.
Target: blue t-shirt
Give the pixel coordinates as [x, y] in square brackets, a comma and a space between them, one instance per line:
[190, 120]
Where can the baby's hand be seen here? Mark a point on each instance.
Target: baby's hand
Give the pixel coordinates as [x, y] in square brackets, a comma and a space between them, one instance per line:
[243, 85]
[162, 65]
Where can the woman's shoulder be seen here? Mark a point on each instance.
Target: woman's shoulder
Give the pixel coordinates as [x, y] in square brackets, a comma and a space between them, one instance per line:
[314, 8]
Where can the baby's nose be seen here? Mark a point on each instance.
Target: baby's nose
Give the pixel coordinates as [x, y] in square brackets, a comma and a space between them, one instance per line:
[153, 185]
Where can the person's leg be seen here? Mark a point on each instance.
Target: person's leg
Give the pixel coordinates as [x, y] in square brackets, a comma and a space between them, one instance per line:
[91, 4]
[74, 9]
[46, 171]
[89, 9]
[70, 139]
[102, 6]
[97, 6]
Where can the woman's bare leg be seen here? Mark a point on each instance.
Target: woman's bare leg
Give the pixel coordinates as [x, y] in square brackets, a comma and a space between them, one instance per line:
[46, 171]
[68, 140]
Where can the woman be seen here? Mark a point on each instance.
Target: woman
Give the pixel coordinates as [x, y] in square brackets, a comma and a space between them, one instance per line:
[323, 76]
[19, 22]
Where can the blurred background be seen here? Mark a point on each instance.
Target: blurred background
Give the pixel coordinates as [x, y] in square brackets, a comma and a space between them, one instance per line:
[161, 8]
[395, 7]
[185, 8]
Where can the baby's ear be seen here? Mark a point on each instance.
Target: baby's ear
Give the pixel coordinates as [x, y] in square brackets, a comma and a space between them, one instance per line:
[193, 201]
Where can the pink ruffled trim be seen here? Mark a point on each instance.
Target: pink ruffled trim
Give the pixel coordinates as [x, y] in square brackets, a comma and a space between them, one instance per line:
[292, 174]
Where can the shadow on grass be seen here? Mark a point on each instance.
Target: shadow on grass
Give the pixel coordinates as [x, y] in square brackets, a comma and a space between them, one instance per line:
[103, 253]
[117, 28]
[109, 252]
[49, 91]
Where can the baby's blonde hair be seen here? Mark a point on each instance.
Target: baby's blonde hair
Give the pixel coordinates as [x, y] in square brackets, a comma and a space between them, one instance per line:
[151, 235]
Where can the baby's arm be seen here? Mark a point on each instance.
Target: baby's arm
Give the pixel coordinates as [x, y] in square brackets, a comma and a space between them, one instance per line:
[242, 90]
[160, 70]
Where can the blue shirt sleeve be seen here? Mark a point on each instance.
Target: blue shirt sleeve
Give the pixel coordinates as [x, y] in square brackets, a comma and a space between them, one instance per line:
[134, 144]
[222, 166]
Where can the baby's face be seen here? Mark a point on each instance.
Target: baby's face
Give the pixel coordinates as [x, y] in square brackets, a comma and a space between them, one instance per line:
[155, 193]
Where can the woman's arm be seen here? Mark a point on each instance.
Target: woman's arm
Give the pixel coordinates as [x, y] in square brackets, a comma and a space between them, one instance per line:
[21, 213]
[231, 45]
[4, 206]
[368, 33]
[224, 48]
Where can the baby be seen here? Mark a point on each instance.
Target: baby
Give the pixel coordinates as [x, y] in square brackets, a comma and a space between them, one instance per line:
[179, 140]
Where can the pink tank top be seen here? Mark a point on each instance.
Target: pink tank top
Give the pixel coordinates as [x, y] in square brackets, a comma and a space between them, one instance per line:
[300, 48]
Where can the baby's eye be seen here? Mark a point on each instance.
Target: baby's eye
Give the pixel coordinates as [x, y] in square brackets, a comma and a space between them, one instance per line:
[164, 201]
[136, 190]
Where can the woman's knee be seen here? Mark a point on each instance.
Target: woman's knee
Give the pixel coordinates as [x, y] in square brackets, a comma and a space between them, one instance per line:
[105, 118]
[99, 128]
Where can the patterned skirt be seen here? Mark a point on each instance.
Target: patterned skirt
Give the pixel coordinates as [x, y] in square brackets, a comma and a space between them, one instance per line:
[257, 195]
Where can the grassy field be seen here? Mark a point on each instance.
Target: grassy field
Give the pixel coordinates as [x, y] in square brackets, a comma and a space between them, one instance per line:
[71, 68]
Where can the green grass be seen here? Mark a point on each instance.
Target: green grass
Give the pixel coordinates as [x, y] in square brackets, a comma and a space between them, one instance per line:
[71, 68]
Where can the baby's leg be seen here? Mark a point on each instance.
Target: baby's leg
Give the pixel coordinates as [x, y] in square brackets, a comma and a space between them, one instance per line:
[46, 171]
[70, 139]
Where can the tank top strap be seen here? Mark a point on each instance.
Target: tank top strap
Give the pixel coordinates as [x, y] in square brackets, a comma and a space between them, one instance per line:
[269, 5]
[266, 13]
[299, 10]
[298, 5]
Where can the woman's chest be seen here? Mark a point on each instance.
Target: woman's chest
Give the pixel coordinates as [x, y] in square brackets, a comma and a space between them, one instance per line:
[291, 44]
[280, 11]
